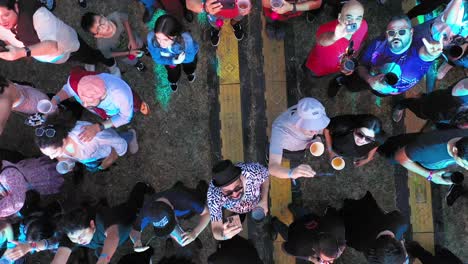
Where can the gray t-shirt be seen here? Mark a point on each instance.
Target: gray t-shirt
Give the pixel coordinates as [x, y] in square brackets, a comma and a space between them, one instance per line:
[285, 135]
[119, 41]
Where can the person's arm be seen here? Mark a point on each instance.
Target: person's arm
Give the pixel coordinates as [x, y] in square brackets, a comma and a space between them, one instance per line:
[264, 199]
[5, 111]
[195, 6]
[191, 48]
[304, 6]
[329, 143]
[45, 47]
[62, 255]
[370, 157]
[275, 168]
[22, 249]
[110, 244]
[222, 231]
[461, 88]
[189, 237]
[61, 96]
[452, 12]
[431, 50]
[109, 160]
[132, 45]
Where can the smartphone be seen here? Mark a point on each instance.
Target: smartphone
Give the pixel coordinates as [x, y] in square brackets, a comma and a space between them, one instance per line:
[228, 4]
[351, 27]
[234, 220]
[3, 46]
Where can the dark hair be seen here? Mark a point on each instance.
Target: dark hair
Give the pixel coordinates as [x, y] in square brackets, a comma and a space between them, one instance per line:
[462, 148]
[39, 226]
[175, 260]
[400, 17]
[169, 26]
[4, 83]
[77, 219]
[328, 245]
[386, 250]
[62, 127]
[9, 4]
[373, 123]
[87, 21]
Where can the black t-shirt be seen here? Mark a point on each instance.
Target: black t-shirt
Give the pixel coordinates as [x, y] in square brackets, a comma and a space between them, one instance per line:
[364, 220]
[430, 149]
[441, 105]
[185, 202]
[304, 233]
[341, 130]
[235, 250]
[105, 218]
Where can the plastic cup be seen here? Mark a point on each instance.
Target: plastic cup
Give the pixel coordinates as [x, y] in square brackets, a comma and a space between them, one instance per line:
[391, 78]
[455, 52]
[131, 57]
[317, 149]
[65, 166]
[338, 163]
[44, 106]
[276, 3]
[258, 214]
[243, 5]
[349, 65]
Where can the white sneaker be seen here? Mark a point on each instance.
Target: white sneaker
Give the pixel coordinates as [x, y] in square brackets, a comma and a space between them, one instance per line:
[114, 70]
[133, 145]
[90, 67]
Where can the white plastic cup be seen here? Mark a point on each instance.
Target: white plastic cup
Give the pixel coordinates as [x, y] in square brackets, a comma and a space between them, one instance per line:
[276, 3]
[258, 214]
[317, 149]
[45, 106]
[338, 163]
[243, 5]
[65, 166]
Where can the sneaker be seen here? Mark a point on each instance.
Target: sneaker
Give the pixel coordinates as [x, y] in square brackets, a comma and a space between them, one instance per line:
[133, 144]
[397, 115]
[215, 37]
[173, 87]
[144, 108]
[114, 70]
[83, 3]
[191, 77]
[188, 15]
[49, 4]
[238, 32]
[140, 66]
[334, 86]
[455, 191]
[90, 67]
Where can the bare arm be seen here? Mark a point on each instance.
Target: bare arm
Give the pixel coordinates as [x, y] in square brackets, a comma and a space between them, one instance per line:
[5, 111]
[204, 221]
[275, 168]
[329, 143]
[194, 6]
[461, 88]
[110, 244]
[410, 165]
[217, 230]
[131, 38]
[62, 95]
[452, 11]
[107, 162]
[62, 255]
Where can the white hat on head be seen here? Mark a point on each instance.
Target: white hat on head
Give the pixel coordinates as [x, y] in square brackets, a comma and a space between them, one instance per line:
[310, 115]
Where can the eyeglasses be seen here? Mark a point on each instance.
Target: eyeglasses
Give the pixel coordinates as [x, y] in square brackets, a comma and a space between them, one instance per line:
[359, 134]
[49, 132]
[236, 190]
[393, 33]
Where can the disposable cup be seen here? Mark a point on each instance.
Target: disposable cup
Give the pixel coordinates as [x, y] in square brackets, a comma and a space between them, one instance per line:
[243, 5]
[338, 163]
[44, 106]
[258, 214]
[276, 3]
[65, 166]
[317, 149]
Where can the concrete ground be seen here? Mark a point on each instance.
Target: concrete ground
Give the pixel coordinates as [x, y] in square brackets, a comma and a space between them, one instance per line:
[180, 140]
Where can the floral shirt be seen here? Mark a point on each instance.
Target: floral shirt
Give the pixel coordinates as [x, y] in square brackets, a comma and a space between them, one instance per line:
[254, 174]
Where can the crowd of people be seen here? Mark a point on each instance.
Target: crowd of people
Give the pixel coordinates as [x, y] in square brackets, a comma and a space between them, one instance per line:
[388, 65]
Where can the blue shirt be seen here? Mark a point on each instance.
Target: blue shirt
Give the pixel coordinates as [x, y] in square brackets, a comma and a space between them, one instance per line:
[165, 56]
[378, 58]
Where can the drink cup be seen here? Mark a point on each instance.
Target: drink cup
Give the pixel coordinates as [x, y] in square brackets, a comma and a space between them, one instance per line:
[338, 163]
[258, 214]
[349, 65]
[317, 149]
[44, 106]
[131, 57]
[455, 52]
[243, 5]
[65, 166]
[276, 3]
[391, 78]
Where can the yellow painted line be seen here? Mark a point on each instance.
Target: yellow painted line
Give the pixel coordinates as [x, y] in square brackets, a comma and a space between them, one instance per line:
[274, 69]
[228, 55]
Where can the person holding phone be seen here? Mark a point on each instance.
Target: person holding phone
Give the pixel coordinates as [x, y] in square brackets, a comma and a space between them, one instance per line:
[115, 38]
[236, 189]
[174, 48]
[332, 41]
[218, 10]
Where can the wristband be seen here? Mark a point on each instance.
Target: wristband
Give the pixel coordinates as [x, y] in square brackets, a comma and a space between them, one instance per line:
[28, 51]
[57, 99]
[290, 174]
[33, 245]
[429, 178]
[105, 256]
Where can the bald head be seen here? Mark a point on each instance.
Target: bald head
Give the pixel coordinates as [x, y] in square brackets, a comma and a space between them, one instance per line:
[352, 13]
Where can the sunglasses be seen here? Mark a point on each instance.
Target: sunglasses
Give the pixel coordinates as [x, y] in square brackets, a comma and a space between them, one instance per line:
[236, 190]
[49, 132]
[393, 33]
[359, 134]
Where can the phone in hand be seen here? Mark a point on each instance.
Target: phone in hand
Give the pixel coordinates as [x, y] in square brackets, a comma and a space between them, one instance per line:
[228, 4]
[351, 27]
[3, 46]
[234, 220]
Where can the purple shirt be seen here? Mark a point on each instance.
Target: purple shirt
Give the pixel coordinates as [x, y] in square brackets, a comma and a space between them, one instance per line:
[378, 57]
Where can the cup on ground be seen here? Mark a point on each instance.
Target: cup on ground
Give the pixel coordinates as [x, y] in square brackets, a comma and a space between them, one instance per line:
[65, 166]
[338, 163]
[317, 149]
